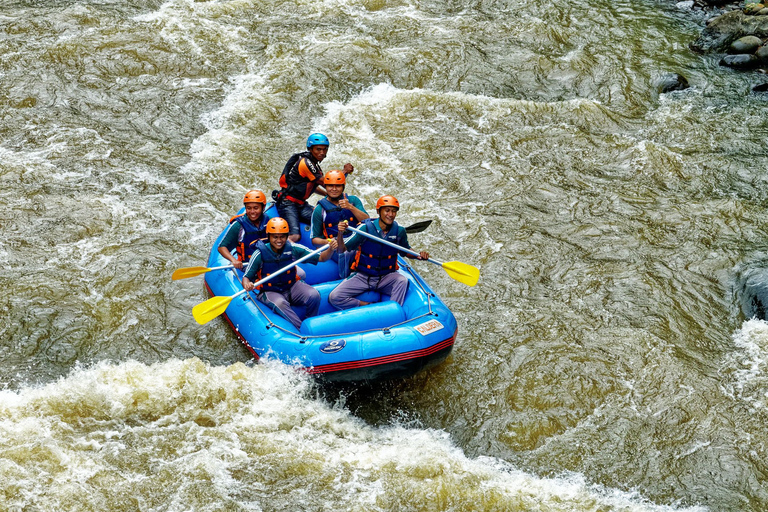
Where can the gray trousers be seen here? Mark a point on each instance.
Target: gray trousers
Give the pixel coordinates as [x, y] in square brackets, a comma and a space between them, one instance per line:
[344, 295]
[300, 294]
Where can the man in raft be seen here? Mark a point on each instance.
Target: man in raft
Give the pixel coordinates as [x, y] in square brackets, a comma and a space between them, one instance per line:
[284, 290]
[301, 177]
[332, 209]
[375, 264]
[245, 229]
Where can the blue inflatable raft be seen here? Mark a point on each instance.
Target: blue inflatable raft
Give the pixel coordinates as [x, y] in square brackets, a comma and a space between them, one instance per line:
[382, 340]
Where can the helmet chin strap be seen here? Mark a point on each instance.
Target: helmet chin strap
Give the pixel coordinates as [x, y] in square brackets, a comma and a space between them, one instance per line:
[382, 221]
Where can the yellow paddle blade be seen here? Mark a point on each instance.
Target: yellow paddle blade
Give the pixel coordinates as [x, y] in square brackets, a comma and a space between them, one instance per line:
[210, 309]
[462, 272]
[183, 273]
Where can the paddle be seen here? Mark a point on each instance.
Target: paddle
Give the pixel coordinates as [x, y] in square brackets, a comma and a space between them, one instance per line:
[418, 227]
[183, 273]
[459, 271]
[186, 272]
[215, 306]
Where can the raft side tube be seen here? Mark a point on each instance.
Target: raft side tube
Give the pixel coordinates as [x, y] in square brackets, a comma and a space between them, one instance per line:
[364, 318]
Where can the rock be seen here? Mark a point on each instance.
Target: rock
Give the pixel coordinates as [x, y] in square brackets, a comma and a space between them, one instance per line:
[746, 44]
[760, 88]
[723, 30]
[671, 82]
[762, 12]
[762, 53]
[753, 8]
[751, 290]
[740, 61]
[712, 3]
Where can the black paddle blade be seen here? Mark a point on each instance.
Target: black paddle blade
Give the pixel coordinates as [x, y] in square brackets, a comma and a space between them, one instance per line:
[418, 227]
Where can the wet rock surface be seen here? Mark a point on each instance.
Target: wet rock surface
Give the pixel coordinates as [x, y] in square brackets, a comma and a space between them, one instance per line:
[671, 82]
[738, 31]
[723, 31]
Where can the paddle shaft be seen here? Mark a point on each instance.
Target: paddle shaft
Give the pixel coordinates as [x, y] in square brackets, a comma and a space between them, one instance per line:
[285, 268]
[273, 274]
[387, 242]
[215, 306]
[223, 267]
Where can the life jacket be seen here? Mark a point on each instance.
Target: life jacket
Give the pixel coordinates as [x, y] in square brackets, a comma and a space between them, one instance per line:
[294, 183]
[271, 263]
[332, 215]
[249, 234]
[374, 258]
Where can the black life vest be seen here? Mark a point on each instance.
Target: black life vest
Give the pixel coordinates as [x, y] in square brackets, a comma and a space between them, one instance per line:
[374, 258]
[332, 215]
[271, 263]
[294, 186]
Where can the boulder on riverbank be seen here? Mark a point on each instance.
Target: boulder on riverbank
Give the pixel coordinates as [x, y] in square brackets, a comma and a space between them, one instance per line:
[740, 34]
[745, 45]
[723, 30]
[741, 61]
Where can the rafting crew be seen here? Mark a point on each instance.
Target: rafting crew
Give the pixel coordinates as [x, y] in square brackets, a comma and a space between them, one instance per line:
[245, 229]
[375, 264]
[286, 289]
[332, 209]
[301, 177]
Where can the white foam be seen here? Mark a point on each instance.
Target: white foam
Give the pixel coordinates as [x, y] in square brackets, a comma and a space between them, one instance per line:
[209, 434]
[193, 27]
[746, 369]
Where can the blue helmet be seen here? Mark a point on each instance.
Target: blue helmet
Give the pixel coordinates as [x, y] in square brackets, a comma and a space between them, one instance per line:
[317, 139]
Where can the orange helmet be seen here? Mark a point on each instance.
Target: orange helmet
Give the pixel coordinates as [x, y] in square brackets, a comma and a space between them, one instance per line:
[335, 178]
[255, 196]
[277, 225]
[387, 201]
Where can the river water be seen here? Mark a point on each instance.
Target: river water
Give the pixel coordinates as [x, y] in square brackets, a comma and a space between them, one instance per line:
[602, 362]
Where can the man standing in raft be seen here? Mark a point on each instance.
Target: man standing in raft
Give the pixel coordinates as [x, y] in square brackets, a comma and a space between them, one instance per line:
[301, 177]
[245, 229]
[375, 266]
[285, 289]
[332, 209]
